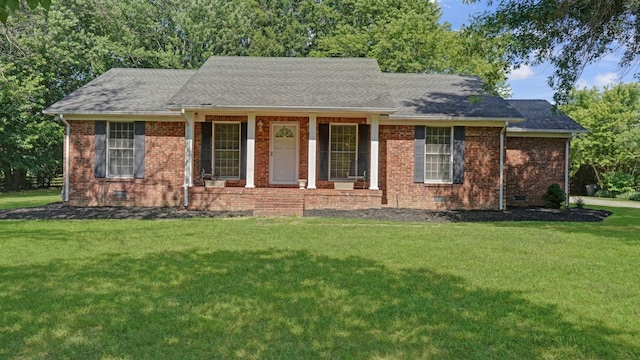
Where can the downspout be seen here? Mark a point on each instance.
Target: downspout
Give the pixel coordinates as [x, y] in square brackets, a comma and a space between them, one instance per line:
[67, 132]
[502, 135]
[566, 170]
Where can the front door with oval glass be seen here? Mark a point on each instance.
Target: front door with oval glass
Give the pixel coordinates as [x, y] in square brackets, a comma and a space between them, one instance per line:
[284, 154]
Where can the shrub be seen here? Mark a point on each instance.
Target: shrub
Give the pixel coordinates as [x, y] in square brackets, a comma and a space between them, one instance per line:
[554, 197]
[618, 182]
[604, 193]
[580, 203]
[630, 195]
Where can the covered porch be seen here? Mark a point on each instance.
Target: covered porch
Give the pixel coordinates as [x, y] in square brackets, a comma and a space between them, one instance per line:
[277, 164]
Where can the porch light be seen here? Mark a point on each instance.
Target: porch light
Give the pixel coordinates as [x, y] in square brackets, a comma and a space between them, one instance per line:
[260, 125]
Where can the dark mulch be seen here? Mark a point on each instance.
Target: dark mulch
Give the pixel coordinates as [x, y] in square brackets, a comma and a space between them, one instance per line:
[57, 211]
[511, 214]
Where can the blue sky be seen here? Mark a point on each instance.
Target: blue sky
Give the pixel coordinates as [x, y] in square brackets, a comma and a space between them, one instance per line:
[529, 82]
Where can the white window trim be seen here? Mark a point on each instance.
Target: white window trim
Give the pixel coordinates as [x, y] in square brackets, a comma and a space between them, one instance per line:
[108, 151]
[356, 149]
[213, 149]
[426, 181]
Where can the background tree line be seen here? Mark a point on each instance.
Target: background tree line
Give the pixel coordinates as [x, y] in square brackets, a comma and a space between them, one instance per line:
[47, 53]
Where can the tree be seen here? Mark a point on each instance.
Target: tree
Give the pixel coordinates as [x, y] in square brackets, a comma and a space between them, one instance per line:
[569, 34]
[612, 117]
[8, 6]
[407, 37]
[45, 55]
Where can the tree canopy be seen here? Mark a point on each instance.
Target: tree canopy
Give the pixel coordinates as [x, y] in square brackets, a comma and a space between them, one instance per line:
[9, 6]
[45, 55]
[569, 34]
[612, 146]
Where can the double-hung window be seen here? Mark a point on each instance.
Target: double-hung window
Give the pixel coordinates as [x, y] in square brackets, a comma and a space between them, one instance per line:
[226, 150]
[120, 145]
[343, 154]
[438, 155]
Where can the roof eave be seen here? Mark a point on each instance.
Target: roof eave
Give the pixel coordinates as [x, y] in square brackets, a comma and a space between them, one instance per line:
[436, 117]
[558, 131]
[262, 108]
[162, 113]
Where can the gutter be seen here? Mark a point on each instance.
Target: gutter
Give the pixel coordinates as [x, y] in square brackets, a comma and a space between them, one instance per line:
[502, 136]
[67, 132]
[281, 108]
[566, 170]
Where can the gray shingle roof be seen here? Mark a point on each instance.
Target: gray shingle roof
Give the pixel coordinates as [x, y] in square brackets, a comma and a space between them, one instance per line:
[540, 116]
[426, 96]
[294, 83]
[124, 91]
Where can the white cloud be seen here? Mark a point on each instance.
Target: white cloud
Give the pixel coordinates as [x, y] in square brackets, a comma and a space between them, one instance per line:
[582, 84]
[521, 73]
[606, 79]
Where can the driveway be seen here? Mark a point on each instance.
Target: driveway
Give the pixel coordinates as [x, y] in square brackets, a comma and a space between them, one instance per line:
[590, 200]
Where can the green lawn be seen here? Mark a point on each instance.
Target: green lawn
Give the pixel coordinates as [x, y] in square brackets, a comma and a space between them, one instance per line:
[29, 198]
[319, 288]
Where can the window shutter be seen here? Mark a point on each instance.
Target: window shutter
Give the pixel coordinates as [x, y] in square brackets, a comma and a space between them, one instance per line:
[243, 150]
[420, 134]
[100, 149]
[138, 149]
[458, 154]
[363, 148]
[205, 147]
[323, 152]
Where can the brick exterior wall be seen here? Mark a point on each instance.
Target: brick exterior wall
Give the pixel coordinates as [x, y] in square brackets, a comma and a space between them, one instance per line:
[480, 189]
[531, 165]
[164, 169]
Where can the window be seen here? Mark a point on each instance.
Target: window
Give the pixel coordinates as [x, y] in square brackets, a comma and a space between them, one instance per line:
[343, 151]
[438, 155]
[226, 150]
[120, 147]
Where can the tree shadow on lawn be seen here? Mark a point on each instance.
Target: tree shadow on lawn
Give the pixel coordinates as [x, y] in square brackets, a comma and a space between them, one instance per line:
[275, 304]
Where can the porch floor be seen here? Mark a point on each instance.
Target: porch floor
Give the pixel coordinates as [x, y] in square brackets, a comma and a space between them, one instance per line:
[281, 201]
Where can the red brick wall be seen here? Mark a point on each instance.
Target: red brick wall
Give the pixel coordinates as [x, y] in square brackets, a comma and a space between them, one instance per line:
[531, 165]
[164, 174]
[481, 172]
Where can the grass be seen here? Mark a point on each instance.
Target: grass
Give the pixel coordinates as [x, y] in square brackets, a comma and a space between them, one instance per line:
[319, 288]
[31, 198]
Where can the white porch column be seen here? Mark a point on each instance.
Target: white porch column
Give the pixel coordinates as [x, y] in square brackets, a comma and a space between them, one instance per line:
[251, 150]
[373, 167]
[188, 148]
[188, 155]
[311, 162]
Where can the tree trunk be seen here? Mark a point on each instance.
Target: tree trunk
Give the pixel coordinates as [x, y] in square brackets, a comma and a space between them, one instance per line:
[15, 179]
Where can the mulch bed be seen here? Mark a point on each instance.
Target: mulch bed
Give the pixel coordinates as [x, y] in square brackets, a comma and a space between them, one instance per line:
[57, 211]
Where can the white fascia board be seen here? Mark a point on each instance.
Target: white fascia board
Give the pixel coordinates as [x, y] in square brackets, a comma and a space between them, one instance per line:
[284, 109]
[484, 122]
[421, 119]
[126, 117]
[548, 133]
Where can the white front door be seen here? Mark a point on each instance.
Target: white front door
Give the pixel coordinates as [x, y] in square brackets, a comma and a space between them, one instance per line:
[284, 153]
